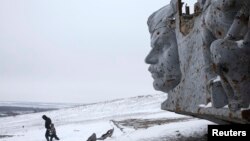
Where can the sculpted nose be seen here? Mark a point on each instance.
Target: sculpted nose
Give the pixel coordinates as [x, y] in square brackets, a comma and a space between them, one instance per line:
[151, 58]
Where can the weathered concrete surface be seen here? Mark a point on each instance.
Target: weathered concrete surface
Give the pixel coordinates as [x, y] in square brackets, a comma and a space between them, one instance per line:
[163, 58]
[212, 42]
[218, 96]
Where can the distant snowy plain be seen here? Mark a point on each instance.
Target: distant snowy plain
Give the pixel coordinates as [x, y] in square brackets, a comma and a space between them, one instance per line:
[133, 119]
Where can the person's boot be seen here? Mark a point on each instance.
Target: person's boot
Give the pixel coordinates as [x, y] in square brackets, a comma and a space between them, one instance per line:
[57, 138]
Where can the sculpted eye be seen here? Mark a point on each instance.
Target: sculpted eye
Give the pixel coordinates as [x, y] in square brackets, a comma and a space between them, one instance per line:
[157, 33]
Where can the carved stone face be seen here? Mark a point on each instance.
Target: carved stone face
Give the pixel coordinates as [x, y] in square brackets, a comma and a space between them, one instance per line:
[163, 57]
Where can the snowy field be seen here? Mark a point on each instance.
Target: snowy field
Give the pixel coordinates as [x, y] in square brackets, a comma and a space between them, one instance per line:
[133, 119]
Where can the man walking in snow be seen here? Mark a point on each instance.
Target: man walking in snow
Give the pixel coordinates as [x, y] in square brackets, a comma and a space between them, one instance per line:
[49, 129]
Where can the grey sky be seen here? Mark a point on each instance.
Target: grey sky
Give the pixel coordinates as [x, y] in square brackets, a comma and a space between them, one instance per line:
[74, 50]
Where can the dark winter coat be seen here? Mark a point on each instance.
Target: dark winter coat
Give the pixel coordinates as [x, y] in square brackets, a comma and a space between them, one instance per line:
[47, 122]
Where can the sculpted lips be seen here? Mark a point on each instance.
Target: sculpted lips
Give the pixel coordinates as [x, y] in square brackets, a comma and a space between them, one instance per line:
[156, 72]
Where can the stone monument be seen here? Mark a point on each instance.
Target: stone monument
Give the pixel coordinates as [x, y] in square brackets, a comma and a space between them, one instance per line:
[202, 60]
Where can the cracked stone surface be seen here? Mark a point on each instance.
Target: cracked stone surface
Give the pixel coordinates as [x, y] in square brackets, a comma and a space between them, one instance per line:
[211, 43]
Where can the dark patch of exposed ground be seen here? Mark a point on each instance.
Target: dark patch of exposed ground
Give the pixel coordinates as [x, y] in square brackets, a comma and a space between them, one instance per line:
[197, 138]
[179, 138]
[146, 123]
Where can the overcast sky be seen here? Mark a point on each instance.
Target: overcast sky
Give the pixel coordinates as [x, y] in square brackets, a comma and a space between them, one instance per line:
[78, 51]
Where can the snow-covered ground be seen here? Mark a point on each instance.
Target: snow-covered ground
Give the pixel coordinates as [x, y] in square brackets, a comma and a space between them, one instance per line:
[133, 119]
